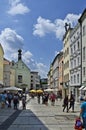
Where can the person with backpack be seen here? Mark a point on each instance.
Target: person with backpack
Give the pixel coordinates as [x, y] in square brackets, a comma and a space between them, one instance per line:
[16, 101]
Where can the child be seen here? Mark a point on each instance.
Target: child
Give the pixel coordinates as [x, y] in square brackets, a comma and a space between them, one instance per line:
[78, 124]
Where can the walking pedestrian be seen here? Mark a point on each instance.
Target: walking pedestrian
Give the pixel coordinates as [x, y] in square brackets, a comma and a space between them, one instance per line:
[43, 98]
[46, 98]
[16, 101]
[23, 102]
[3, 100]
[65, 103]
[38, 97]
[52, 98]
[9, 99]
[83, 112]
[72, 102]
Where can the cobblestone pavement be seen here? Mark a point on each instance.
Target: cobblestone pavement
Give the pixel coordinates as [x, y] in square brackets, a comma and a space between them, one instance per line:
[38, 117]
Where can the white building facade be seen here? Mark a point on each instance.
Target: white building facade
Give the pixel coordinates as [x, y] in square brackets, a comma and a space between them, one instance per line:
[35, 80]
[55, 72]
[82, 22]
[75, 60]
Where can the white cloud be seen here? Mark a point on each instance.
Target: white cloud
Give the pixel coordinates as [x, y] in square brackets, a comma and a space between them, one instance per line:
[11, 42]
[72, 18]
[45, 26]
[41, 68]
[27, 56]
[16, 7]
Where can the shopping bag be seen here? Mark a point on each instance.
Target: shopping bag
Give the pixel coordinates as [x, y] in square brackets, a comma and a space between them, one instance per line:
[78, 124]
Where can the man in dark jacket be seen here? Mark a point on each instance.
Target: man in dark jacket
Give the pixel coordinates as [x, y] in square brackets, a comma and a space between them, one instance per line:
[65, 103]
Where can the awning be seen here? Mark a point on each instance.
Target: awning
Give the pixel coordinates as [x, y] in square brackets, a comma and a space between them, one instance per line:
[13, 88]
[49, 90]
[82, 87]
[1, 82]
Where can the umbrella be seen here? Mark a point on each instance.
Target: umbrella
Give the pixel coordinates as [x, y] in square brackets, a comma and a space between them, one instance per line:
[49, 90]
[39, 91]
[13, 88]
[32, 91]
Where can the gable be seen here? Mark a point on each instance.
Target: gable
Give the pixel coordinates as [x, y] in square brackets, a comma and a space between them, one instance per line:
[21, 65]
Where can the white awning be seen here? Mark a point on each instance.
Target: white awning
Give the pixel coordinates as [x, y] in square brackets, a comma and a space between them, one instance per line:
[82, 87]
[13, 88]
[1, 82]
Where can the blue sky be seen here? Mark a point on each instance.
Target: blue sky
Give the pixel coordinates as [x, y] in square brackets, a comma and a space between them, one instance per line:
[36, 27]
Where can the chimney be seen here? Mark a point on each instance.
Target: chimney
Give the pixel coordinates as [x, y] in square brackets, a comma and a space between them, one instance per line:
[19, 54]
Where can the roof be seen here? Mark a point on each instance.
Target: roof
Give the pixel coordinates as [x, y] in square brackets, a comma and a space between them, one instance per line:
[57, 56]
[82, 16]
[2, 48]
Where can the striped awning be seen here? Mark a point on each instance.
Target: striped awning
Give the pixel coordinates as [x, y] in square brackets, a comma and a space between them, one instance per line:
[82, 87]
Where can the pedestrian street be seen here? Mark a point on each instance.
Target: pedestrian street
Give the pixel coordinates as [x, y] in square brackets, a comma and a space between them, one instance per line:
[38, 117]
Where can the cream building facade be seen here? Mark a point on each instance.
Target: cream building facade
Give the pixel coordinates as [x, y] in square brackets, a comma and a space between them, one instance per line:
[1, 65]
[66, 44]
[22, 73]
[55, 72]
[6, 73]
[50, 77]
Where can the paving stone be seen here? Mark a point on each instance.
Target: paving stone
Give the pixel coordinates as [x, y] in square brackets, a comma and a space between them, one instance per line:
[38, 117]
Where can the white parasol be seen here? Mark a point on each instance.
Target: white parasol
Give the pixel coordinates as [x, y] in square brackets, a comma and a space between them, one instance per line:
[13, 88]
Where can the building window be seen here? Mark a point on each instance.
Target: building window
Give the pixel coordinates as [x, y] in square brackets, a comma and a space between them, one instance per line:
[71, 50]
[67, 51]
[31, 80]
[71, 79]
[78, 78]
[83, 30]
[83, 53]
[78, 60]
[71, 64]
[19, 78]
[16, 65]
[74, 48]
[83, 71]
[74, 37]
[22, 65]
[74, 62]
[78, 45]
[74, 78]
